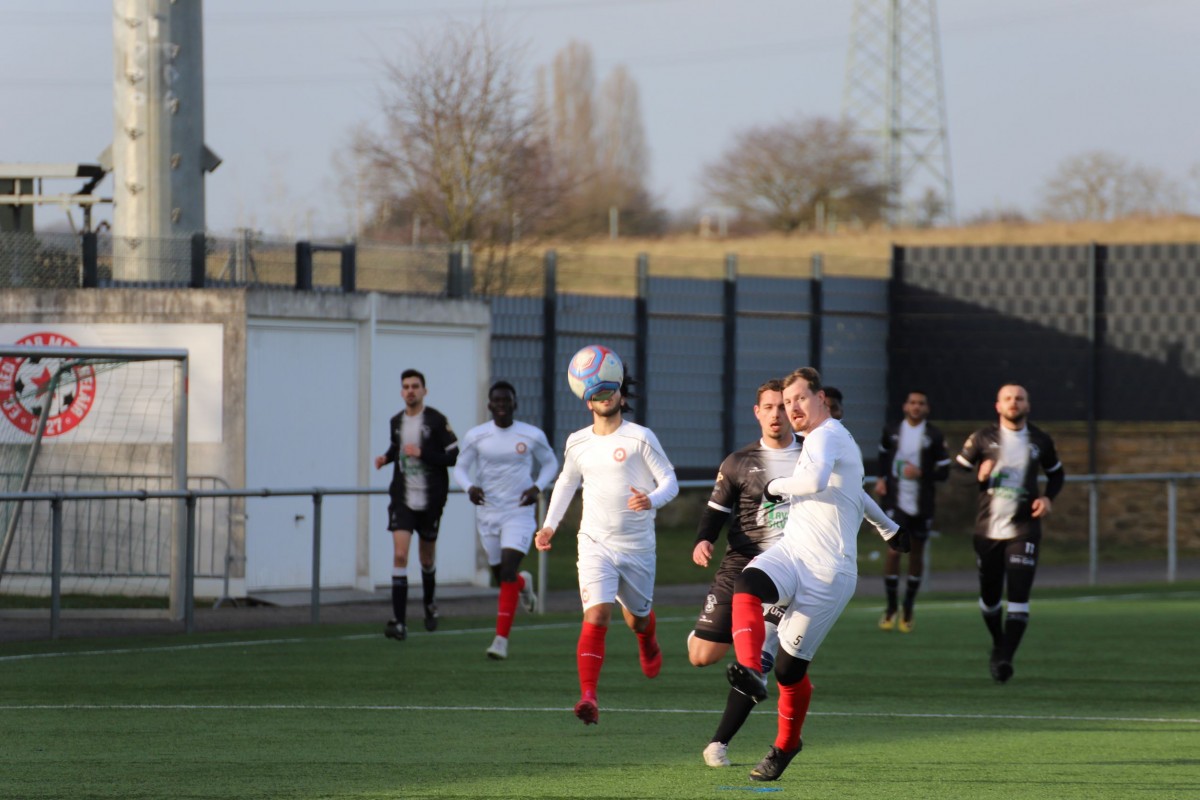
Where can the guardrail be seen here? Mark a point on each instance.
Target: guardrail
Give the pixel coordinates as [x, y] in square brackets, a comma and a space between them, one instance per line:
[318, 494]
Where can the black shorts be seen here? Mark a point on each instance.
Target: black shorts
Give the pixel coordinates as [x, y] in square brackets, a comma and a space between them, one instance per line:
[423, 523]
[917, 527]
[1007, 564]
[715, 623]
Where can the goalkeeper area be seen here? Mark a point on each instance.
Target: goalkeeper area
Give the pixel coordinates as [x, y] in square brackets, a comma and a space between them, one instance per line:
[94, 420]
[1105, 704]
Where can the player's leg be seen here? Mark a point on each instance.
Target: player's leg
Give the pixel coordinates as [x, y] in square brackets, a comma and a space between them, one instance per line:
[891, 585]
[710, 638]
[819, 601]
[400, 523]
[427, 533]
[635, 593]
[598, 579]
[989, 557]
[918, 536]
[767, 579]
[1021, 556]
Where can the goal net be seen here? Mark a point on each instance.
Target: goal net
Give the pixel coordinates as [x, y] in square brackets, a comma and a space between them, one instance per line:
[76, 419]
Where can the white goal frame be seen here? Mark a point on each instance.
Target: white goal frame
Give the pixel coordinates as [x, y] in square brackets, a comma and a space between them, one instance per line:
[72, 356]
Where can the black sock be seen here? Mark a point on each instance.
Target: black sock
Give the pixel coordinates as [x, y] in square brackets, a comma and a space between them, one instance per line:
[428, 584]
[910, 593]
[1014, 629]
[400, 597]
[890, 584]
[737, 709]
[995, 627]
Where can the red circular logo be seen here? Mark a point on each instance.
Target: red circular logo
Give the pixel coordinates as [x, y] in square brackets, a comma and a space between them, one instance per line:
[521, 448]
[619, 454]
[25, 388]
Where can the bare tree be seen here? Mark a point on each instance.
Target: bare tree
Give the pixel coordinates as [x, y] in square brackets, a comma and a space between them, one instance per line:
[460, 146]
[787, 173]
[598, 144]
[1103, 186]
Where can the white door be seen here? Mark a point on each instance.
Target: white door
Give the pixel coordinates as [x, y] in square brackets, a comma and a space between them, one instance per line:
[301, 431]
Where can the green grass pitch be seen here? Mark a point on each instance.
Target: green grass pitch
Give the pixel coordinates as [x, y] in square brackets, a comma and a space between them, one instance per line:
[1105, 704]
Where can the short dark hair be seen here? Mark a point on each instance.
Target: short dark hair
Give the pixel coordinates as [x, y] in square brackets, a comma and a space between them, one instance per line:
[808, 374]
[412, 373]
[921, 392]
[773, 385]
[503, 386]
[833, 396]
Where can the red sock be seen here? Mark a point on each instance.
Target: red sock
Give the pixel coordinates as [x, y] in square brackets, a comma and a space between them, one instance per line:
[647, 644]
[509, 591]
[793, 707]
[748, 630]
[590, 656]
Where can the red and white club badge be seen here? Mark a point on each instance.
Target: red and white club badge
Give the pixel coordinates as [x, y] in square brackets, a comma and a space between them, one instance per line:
[521, 448]
[619, 454]
[25, 388]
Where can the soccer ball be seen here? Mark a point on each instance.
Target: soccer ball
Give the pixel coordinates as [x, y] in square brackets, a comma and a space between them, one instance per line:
[595, 369]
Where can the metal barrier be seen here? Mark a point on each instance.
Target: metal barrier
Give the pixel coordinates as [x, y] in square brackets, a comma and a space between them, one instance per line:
[318, 494]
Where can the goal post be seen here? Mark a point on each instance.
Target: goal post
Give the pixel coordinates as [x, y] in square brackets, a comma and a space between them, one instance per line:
[97, 420]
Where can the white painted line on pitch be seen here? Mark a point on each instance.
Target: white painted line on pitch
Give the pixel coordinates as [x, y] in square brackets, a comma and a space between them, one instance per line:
[554, 710]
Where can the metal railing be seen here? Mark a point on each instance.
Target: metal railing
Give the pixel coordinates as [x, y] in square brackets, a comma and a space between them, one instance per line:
[318, 494]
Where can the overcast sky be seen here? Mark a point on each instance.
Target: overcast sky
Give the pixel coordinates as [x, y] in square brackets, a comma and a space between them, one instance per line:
[1027, 84]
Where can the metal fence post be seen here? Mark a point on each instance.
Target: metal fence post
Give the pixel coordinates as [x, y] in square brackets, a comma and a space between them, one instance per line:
[729, 369]
[199, 266]
[316, 558]
[56, 542]
[642, 344]
[818, 312]
[1172, 534]
[549, 344]
[349, 267]
[189, 572]
[1093, 531]
[304, 266]
[90, 277]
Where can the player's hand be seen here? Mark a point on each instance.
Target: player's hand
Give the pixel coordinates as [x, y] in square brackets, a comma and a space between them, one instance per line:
[900, 542]
[638, 501]
[702, 552]
[476, 495]
[380, 461]
[771, 497]
[881, 487]
[910, 471]
[530, 496]
[1042, 507]
[542, 538]
[985, 470]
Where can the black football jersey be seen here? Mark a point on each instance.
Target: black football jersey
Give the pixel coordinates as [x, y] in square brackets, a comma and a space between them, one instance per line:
[753, 524]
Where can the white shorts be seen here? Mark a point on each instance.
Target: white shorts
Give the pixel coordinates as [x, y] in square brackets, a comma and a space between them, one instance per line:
[815, 599]
[513, 530]
[606, 575]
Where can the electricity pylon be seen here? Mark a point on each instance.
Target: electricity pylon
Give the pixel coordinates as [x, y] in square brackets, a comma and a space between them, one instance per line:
[893, 94]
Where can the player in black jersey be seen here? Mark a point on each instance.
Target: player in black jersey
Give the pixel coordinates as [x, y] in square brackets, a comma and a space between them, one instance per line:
[737, 496]
[1005, 457]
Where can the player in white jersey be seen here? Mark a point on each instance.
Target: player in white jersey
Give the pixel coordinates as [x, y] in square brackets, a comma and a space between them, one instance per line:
[495, 465]
[812, 570]
[626, 476]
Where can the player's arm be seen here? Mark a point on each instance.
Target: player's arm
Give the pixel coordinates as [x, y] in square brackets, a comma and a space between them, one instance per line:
[667, 486]
[445, 452]
[464, 468]
[393, 451]
[941, 458]
[547, 469]
[886, 456]
[564, 489]
[812, 471]
[1056, 476]
[875, 515]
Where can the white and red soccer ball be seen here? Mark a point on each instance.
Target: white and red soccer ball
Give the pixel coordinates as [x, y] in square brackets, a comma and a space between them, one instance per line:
[593, 370]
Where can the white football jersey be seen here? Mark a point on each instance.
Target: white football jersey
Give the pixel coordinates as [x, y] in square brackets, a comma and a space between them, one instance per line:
[608, 466]
[827, 499]
[500, 461]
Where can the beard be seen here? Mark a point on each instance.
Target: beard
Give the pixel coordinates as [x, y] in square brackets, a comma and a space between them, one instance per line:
[607, 411]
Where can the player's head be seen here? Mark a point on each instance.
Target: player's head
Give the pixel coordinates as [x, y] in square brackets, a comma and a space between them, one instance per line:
[833, 400]
[609, 404]
[804, 399]
[1012, 404]
[770, 413]
[916, 406]
[502, 402]
[412, 388]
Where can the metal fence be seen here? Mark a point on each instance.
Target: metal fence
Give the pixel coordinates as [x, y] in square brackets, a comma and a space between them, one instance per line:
[57, 502]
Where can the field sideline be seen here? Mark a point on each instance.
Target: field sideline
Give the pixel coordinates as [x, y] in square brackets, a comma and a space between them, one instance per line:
[1105, 703]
